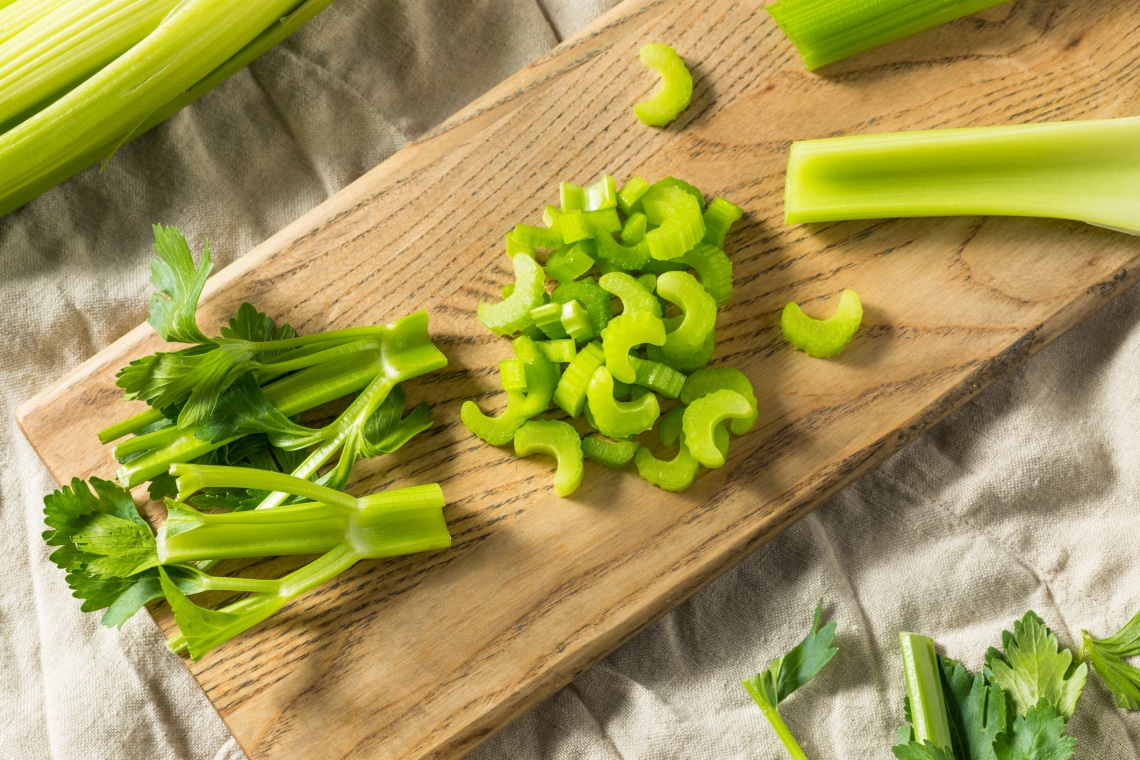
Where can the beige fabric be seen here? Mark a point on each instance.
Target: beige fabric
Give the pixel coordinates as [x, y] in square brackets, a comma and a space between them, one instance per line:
[1026, 498]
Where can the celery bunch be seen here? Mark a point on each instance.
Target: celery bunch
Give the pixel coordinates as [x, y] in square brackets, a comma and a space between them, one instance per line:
[80, 78]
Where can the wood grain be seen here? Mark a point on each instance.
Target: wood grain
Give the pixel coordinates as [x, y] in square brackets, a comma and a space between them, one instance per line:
[426, 656]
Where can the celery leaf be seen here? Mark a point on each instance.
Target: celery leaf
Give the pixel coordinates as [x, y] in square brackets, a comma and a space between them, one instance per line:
[1107, 657]
[1034, 667]
[1038, 735]
[173, 310]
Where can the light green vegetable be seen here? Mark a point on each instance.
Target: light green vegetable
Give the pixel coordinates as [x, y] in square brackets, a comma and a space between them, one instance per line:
[676, 88]
[1107, 657]
[788, 673]
[823, 338]
[705, 416]
[825, 31]
[80, 79]
[556, 439]
[513, 313]
[924, 689]
[115, 562]
[618, 419]
[1083, 170]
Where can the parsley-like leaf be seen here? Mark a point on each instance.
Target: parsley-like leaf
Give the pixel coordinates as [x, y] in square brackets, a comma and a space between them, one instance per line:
[1107, 657]
[1035, 667]
[85, 525]
[788, 673]
[976, 710]
[385, 431]
[174, 308]
[1038, 735]
[912, 750]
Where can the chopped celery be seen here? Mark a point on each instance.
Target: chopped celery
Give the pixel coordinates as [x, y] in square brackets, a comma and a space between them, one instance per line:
[1083, 170]
[825, 31]
[704, 416]
[612, 454]
[513, 312]
[555, 439]
[676, 86]
[618, 419]
[610, 381]
[823, 338]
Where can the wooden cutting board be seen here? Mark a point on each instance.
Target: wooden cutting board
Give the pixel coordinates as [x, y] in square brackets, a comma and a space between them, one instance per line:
[426, 656]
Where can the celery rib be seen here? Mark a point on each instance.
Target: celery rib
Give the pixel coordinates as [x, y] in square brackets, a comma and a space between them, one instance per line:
[1082, 170]
[826, 31]
[195, 46]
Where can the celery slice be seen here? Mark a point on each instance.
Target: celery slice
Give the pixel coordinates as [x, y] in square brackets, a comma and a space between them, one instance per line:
[1083, 170]
[676, 86]
[825, 31]
[823, 338]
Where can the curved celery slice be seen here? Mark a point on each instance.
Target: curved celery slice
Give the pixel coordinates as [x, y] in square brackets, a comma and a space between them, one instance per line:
[825, 31]
[629, 258]
[704, 416]
[670, 430]
[541, 380]
[1083, 170]
[634, 296]
[612, 454]
[715, 269]
[674, 474]
[513, 313]
[624, 332]
[712, 379]
[823, 338]
[676, 86]
[618, 419]
[685, 346]
[556, 439]
[570, 395]
[681, 224]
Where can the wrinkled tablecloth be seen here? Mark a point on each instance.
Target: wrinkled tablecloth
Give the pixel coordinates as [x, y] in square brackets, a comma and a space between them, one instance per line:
[1026, 498]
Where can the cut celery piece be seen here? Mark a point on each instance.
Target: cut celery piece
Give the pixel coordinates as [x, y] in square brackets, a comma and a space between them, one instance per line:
[823, 338]
[513, 313]
[825, 31]
[676, 89]
[1083, 170]
[556, 439]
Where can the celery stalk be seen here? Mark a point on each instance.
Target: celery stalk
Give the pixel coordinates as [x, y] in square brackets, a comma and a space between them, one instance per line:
[18, 15]
[194, 47]
[924, 688]
[61, 49]
[1083, 170]
[826, 31]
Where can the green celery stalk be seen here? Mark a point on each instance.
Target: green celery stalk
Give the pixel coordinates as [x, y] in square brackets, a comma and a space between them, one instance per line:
[18, 15]
[924, 687]
[57, 51]
[196, 46]
[1083, 170]
[826, 31]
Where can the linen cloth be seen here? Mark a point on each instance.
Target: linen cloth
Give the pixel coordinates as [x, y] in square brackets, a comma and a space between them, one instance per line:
[1025, 498]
